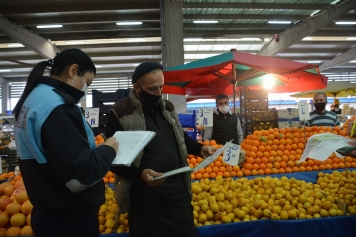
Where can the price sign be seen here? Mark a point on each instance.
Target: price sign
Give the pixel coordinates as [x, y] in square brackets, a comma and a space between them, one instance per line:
[232, 154]
[92, 116]
[205, 117]
[303, 111]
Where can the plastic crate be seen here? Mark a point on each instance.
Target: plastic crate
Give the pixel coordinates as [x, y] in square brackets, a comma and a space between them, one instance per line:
[192, 134]
[188, 120]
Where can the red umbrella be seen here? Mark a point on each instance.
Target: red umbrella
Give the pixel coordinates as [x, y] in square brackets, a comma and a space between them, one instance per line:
[214, 75]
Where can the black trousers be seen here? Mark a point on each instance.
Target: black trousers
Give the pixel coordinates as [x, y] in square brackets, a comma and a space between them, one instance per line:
[161, 211]
[46, 224]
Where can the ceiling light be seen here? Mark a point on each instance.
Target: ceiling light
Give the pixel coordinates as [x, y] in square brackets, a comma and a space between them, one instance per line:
[135, 39]
[97, 66]
[251, 39]
[75, 42]
[5, 70]
[334, 2]
[279, 22]
[351, 38]
[129, 23]
[205, 22]
[269, 82]
[314, 61]
[193, 39]
[49, 26]
[266, 39]
[345, 23]
[354, 61]
[136, 64]
[307, 38]
[317, 11]
[15, 45]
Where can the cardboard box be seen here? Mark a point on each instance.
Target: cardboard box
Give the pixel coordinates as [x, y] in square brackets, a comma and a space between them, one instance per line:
[288, 114]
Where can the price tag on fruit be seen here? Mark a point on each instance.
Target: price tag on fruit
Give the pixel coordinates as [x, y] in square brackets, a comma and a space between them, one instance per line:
[232, 154]
[303, 111]
[205, 117]
[92, 116]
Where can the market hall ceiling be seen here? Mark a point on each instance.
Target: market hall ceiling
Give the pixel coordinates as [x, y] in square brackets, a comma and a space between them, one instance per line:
[322, 32]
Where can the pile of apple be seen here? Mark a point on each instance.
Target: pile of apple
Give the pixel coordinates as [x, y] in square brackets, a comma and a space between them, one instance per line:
[228, 200]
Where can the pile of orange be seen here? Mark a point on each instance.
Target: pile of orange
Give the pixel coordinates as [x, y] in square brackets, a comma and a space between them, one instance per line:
[99, 139]
[109, 177]
[10, 177]
[276, 151]
[216, 168]
[346, 124]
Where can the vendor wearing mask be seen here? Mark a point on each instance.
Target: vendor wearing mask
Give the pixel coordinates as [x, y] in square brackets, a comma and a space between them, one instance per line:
[320, 116]
[226, 125]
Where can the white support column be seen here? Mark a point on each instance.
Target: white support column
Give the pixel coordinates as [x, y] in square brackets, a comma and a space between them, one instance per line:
[5, 96]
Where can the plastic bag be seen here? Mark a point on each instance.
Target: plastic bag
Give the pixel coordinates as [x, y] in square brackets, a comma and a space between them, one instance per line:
[12, 145]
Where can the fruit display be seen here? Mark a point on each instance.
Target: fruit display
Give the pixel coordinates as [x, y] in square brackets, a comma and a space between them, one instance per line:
[276, 151]
[99, 139]
[227, 200]
[340, 185]
[15, 210]
[109, 177]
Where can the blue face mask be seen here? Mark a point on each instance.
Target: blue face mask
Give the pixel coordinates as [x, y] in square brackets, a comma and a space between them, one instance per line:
[148, 99]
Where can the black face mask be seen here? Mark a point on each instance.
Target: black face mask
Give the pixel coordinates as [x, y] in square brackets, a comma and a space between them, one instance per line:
[319, 106]
[148, 99]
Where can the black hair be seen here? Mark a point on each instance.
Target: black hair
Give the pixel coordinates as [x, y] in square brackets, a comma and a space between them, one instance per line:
[221, 96]
[59, 64]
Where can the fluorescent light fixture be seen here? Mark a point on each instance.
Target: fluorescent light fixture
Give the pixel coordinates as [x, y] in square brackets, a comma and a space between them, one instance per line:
[75, 42]
[205, 22]
[334, 2]
[97, 66]
[49, 26]
[352, 81]
[354, 61]
[307, 38]
[314, 61]
[135, 65]
[15, 45]
[328, 73]
[109, 103]
[266, 39]
[317, 11]
[251, 39]
[345, 23]
[279, 22]
[135, 40]
[5, 70]
[193, 39]
[351, 38]
[129, 23]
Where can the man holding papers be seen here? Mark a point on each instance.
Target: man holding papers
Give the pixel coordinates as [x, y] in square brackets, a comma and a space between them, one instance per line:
[156, 207]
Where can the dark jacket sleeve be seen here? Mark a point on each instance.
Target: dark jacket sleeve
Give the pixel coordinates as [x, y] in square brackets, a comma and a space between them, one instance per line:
[132, 173]
[67, 149]
[193, 147]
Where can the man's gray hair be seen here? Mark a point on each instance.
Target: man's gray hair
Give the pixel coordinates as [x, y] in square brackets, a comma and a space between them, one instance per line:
[322, 93]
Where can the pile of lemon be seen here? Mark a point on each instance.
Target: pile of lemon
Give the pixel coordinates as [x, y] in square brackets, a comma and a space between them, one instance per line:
[108, 215]
[340, 185]
[227, 200]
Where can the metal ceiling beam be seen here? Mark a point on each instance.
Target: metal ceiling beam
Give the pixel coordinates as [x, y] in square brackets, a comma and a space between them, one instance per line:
[247, 5]
[245, 16]
[91, 54]
[124, 61]
[340, 59]
[309, 51]
[334, 32]
[96, 28]
[217, 51]
[306, 58]
[32, 41]
[237, 25]
[123, 45]
[228, 33]
[220, 42]
[88, 18]
[103, 35]
[297, 33]
[60, 6]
